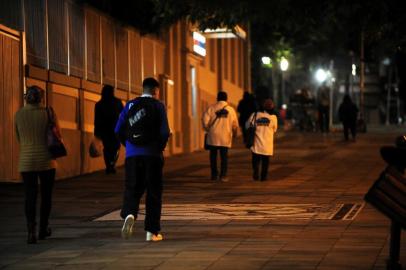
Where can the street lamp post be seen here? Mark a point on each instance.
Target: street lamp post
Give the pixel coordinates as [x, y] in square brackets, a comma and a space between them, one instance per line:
[268, 71]
[321, 76]
[284, 65]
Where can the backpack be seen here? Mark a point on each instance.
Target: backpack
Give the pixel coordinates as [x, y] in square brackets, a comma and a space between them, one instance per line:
[143, 121]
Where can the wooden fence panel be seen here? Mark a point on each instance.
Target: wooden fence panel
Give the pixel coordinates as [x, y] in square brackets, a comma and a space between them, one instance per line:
[159, 59]
[76, 40]
[10, 102]
[122, 58]
[93, 46]
[65, 101]
[57, 36]
[135, 62]
[36, 32]
[3, 138]
[148, 57]
[108, 51]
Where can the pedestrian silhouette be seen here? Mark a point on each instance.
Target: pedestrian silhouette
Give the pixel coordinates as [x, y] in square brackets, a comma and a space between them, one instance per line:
[106, 114]
[324, 108]
[245, 108]
[347, 113]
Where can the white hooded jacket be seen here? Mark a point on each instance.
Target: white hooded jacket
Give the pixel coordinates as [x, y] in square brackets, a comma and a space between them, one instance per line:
[266, 126]
[220, 131]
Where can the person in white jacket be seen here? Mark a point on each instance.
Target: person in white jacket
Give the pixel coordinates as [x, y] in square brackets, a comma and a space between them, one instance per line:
[266, 124]
[221, 124]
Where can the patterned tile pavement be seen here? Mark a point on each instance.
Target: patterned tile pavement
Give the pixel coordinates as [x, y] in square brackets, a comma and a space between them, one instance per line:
[309, 214]
[248, 212]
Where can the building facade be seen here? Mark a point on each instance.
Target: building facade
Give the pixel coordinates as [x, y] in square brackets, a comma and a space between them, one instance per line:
[71, 50]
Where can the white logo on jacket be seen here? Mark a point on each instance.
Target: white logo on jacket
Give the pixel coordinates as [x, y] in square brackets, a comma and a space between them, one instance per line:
[137, 117]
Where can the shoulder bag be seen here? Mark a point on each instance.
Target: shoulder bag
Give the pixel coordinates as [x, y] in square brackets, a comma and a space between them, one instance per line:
[95, 148]
[251, 132]
[54, 139]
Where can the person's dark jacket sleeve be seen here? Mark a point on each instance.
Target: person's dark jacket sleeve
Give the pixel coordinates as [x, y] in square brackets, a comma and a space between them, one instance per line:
[120, 106]
[120, 129]
[164, 131]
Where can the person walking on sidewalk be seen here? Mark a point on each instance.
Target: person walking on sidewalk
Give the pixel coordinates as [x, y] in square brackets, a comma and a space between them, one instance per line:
[143, 128]
[266, 124]
[347, 113]
[106, 113]
[245, 108]
[220, 123]
[324, 108]
[35, 161]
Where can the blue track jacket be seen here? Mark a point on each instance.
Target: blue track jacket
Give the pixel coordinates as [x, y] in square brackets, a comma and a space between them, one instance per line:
[154, 148]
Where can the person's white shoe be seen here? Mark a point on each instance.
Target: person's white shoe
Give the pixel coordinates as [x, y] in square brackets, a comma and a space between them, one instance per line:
[127, 229]
[154, 237]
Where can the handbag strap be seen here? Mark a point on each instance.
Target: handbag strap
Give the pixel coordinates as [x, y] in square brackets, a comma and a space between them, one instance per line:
[215, 119]
[50, 113]
[254, 120]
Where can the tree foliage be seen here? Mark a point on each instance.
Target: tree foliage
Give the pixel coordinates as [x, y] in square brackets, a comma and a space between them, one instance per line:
[152, 16]
[316, 27]
[310, 26]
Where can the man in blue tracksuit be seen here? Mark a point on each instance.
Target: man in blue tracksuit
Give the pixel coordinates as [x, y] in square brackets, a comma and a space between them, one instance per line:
[144, 159]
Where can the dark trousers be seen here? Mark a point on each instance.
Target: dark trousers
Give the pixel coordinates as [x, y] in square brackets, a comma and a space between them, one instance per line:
[241, 123]
[144, 173]
[213, 160]
[324, 118]
[30, 179]
[110, 153]
[256, 160]
[244, 134]
[349, 126]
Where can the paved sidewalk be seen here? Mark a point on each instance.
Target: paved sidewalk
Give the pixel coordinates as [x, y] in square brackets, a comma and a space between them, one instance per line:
[309, 215]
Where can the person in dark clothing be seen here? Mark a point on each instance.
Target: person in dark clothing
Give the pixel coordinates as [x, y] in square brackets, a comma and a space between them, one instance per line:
[144, 160]
[245, 108]
[348, 116]
[106, 115]
[324, 108]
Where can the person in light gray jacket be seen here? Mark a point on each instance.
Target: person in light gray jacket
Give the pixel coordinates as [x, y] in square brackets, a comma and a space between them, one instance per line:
[221, 124]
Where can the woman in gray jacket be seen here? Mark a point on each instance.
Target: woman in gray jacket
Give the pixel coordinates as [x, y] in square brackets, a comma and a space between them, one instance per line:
[35, 161]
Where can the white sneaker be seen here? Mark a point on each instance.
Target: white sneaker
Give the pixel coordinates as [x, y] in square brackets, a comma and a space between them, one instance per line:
[154, 237]
[127, 229]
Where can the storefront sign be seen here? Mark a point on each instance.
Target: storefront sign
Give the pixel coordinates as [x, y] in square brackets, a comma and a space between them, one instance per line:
[199, 44]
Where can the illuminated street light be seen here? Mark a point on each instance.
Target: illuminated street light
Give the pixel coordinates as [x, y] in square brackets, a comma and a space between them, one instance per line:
[266, 60]
[284, 64]
[354, 70]
[321, 75]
